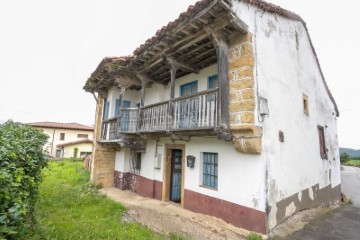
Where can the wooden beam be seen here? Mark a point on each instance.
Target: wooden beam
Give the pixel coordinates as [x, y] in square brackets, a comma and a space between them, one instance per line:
[195, 50]
[172, 82]
[180, 137]
[239, 25]
[142, 99]
[144, 78]
[183, 66]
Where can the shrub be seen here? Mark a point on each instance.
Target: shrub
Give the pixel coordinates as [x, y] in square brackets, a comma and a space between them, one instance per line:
[21, 161]
[254, 236]
[344, 157]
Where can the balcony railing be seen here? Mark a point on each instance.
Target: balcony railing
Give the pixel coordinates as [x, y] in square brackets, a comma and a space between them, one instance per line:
[198, 111]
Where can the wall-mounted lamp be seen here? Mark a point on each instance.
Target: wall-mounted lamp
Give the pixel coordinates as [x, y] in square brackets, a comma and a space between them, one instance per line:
[190, 160]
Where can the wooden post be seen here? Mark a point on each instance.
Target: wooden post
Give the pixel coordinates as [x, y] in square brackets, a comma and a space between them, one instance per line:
[172, 94]
[142, 100]
[172, 82]
[223, 71]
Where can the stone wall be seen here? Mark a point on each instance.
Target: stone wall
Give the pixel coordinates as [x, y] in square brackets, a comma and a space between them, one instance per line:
[242, 95]
[103, 157]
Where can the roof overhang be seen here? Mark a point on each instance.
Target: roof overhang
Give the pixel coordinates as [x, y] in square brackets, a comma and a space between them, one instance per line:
[187, 44]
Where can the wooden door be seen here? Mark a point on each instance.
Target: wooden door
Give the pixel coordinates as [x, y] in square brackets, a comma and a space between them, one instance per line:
[176, 168]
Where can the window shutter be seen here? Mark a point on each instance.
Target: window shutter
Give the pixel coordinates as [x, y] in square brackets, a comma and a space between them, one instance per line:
[106, 110]
[117, 106]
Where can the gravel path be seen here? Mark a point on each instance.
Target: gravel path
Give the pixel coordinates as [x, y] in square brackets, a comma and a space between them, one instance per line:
[168, 217]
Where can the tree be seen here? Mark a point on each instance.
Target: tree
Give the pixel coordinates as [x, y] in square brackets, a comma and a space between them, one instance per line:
[21, 161]
[344, 157]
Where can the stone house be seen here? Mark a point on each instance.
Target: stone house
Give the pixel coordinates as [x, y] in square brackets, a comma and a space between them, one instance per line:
[65, 137]
[224, 111]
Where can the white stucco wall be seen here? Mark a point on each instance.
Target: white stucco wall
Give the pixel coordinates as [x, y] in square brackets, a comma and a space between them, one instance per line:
[68, 151]
[158, 93]
[54, 137]
[240, 176]
[285, 68]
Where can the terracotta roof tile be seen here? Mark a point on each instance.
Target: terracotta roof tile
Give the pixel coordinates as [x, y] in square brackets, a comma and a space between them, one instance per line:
[73, 125]
[193, 9]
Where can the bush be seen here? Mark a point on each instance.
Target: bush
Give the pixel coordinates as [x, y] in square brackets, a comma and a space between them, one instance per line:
[254, 236]
[21, 161]
[344, 157]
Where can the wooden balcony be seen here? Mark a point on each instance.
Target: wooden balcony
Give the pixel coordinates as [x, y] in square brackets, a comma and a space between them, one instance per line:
[189, 113]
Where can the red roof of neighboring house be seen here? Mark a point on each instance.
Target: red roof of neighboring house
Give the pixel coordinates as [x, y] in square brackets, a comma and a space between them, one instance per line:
[74, 126]
[75, 142]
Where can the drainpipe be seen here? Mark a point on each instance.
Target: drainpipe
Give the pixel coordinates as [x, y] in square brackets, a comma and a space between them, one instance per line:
[52, 142]
[261, 121]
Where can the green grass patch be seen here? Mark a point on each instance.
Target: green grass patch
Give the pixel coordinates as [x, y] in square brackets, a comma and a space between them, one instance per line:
[254, 236]
[354, 163]
[69, 207]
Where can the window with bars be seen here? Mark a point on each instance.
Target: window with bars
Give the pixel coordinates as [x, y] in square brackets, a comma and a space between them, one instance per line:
[210, 170]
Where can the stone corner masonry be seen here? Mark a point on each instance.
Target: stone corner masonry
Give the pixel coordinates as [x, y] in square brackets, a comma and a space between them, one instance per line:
[246, 136]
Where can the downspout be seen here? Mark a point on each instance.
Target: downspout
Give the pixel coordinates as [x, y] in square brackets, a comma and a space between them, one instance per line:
[52, 142]
[267, 205]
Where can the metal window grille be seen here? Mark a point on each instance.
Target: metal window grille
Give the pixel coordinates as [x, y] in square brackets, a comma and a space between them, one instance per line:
[210, 170]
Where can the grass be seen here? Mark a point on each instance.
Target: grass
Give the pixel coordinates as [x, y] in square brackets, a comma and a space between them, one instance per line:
[69, 207]
[254, 236]
[354, 163]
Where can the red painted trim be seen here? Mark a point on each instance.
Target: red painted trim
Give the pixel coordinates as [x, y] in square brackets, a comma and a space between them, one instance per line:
[138, 184]
[235, 214]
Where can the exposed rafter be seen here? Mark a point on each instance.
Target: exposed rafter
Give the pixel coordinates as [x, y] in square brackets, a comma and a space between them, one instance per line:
[183, 66]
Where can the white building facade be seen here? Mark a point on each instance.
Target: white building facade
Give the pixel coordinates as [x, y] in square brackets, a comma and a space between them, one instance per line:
[63, 138]
[233, 119]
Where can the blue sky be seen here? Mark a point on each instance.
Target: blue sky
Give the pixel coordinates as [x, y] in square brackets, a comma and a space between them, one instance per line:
[49, 48]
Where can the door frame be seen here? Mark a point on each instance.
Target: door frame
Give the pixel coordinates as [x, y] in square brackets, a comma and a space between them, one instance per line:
[167, 172]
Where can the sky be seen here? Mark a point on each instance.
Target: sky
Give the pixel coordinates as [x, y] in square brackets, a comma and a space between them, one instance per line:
[48, 49]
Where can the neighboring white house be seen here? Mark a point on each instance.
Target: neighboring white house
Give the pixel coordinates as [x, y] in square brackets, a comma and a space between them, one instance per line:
[225, 111]
[65, 137]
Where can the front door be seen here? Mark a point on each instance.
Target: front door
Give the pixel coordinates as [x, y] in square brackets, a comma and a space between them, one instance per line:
[176, 167]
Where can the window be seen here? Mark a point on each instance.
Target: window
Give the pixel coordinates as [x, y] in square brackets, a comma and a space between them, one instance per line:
[58, 153]
[306, 104]
[117, 106]
[138, 161]
[213, 81]
[322, 142]
[82, 136]
[188, 88]
[62, 136]
[126, 104]
[210, 170]
[106, 110]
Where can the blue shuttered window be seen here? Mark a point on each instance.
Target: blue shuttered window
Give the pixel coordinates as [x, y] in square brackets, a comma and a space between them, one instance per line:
[213, 81]
[188, 88]
[117, 106]
[210, 170]
[126, 104]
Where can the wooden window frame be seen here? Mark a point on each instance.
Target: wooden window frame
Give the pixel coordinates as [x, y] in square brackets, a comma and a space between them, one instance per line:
[62, 136]
[305, 104]
[322, 143]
